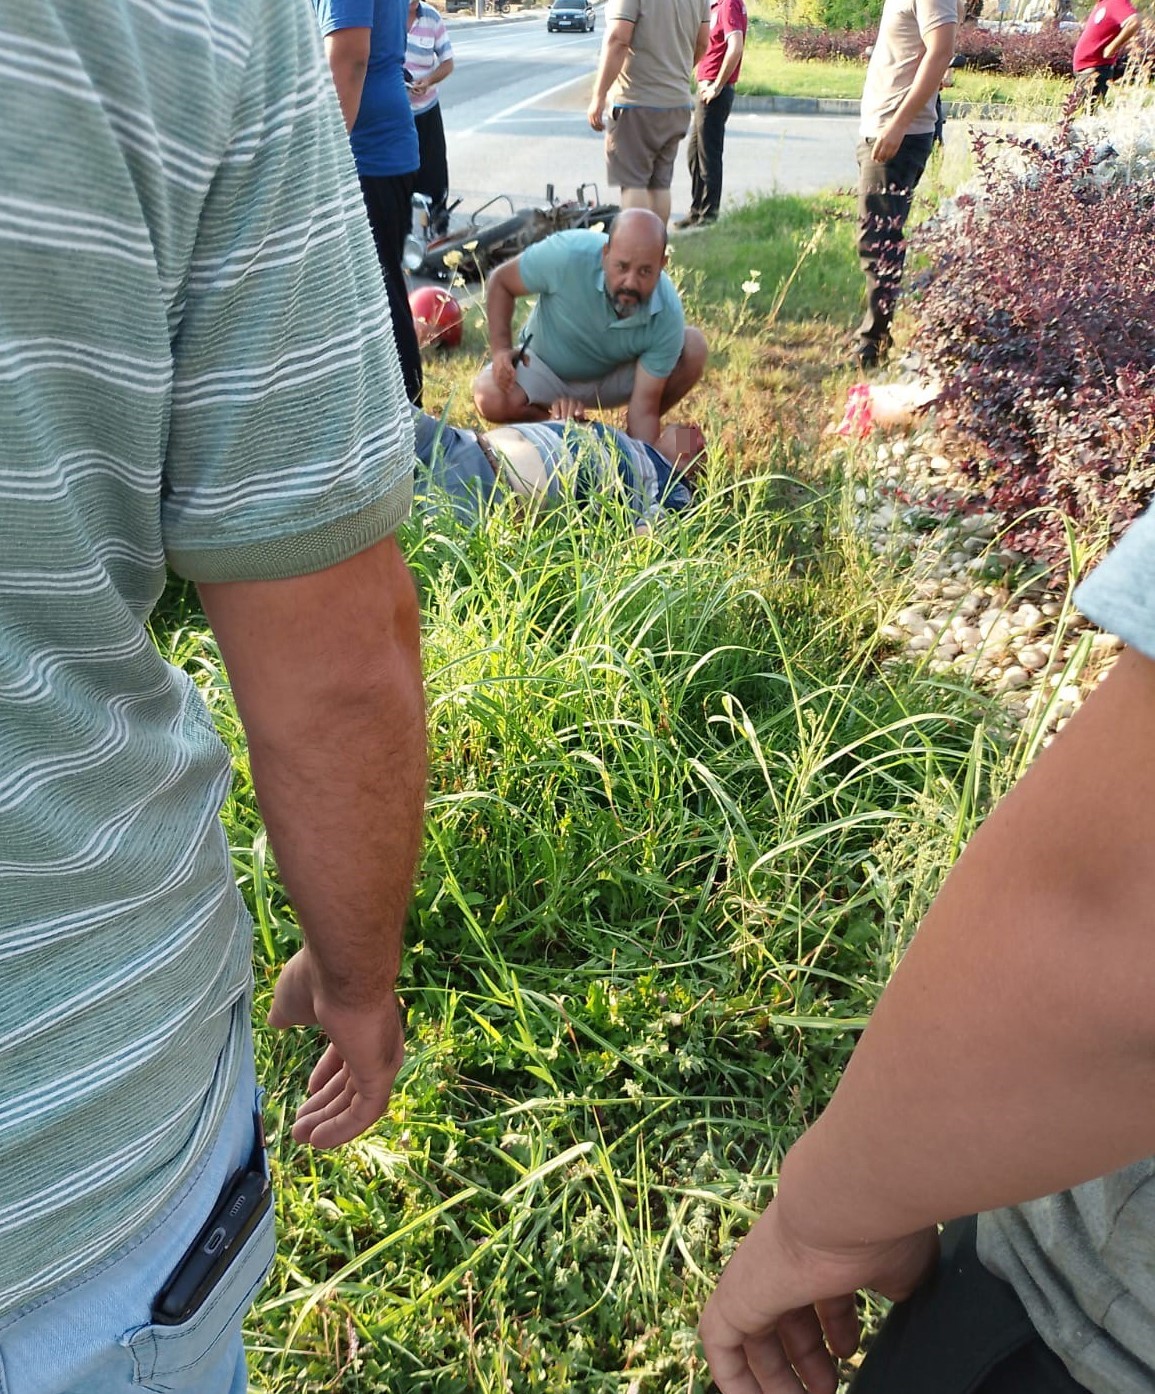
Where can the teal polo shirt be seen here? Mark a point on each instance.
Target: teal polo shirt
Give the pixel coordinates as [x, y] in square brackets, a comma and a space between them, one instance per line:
[574, 327]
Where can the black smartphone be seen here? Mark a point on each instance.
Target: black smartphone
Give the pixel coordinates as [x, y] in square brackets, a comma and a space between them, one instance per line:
[244, 1200]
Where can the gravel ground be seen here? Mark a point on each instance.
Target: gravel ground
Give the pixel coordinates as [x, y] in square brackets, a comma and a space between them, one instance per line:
[974, 608]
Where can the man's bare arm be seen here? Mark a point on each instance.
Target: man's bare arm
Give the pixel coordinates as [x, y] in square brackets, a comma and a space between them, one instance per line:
[615, 49]
[735, 46]
[326, 672]
[1043, 940]
[348, 53]
[701, 43]
[1012, 1055]
[644, 413]
[439, 74]
[927, 81]
[1122, 38]
[502, 292]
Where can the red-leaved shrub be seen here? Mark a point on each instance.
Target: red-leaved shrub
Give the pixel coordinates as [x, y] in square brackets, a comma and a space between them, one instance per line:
[824, 45]
[1038, 316]
[979, 49]
[1046, 51]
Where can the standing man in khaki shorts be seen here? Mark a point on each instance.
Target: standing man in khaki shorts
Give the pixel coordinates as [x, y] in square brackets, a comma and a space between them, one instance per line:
[649, 51]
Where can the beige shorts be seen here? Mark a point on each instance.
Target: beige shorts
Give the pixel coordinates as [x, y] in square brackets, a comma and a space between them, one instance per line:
[543, 387]
[641, 144]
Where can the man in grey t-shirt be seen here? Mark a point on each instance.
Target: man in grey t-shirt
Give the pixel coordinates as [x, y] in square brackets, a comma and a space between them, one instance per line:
[1007, 1070]
[911, 55]
[649, 51]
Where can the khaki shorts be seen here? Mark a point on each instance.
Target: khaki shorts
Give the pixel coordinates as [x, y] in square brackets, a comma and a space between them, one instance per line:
[543, 387]
[641, 144]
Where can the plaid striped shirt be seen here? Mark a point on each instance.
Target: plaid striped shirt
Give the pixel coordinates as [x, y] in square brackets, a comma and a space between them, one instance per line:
[196, 366]
[426, 48]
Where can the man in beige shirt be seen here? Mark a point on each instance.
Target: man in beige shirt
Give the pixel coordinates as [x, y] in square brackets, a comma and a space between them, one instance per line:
[649, 51]
[913, 51]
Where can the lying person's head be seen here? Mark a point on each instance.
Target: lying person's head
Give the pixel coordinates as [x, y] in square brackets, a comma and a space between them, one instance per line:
[684, 445]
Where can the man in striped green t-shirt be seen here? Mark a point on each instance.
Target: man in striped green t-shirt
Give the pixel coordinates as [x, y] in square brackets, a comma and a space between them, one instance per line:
[196, 367]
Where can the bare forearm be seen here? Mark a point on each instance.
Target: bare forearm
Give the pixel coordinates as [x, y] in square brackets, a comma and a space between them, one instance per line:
[928, 76]
[1123, 38]
[730, 60]
[1014, 1052]
[327, 678]
[499, 307]
[643, 423]
[342, 792]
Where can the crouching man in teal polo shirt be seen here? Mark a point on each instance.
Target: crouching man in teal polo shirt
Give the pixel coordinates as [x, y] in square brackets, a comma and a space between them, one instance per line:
[607, 330]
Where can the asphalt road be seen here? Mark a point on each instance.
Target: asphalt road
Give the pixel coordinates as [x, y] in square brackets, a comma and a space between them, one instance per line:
[515, 120]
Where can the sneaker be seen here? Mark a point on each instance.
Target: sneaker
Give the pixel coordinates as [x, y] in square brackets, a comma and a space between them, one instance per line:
[690, 220]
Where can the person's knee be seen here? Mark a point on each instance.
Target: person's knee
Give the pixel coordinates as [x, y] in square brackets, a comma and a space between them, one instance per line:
[488, 398]
[494, 404]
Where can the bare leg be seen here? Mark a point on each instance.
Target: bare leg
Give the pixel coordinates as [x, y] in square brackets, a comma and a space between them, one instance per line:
[498, 406]
[660, 203]
[656, 200]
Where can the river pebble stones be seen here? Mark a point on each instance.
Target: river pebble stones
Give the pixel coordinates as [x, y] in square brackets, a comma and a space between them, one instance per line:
[975, 608]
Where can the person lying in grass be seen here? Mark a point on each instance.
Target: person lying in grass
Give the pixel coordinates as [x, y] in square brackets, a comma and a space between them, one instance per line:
[545, 462]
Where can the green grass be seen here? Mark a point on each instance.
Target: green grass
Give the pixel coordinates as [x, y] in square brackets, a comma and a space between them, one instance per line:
[766, 71]
[681, 823]
[802, 253]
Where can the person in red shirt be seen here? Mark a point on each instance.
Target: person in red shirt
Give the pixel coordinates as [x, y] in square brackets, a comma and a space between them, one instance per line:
[1110, 27]
[717, 75]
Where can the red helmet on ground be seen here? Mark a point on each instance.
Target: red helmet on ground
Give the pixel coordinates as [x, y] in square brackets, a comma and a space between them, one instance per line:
[437, 317]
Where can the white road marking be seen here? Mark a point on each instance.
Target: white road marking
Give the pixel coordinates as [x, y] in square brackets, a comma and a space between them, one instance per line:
[528, 102]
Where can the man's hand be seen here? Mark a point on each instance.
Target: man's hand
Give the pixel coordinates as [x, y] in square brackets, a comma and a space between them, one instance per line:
[419, 87]
[888, 142]
[350, 1085]
[783, 1311]
[707, 91]
[326, 672]
[615, 49]
[567, 409]
[504, 368]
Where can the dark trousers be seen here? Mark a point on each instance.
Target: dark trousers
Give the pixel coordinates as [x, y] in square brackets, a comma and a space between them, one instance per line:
[704, 152]
[388, 202]
[885, 193]
[963, 1332]
[1092, 83]
[432, 178]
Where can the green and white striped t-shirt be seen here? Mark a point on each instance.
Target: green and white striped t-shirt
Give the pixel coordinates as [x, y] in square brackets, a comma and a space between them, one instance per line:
[196, 365]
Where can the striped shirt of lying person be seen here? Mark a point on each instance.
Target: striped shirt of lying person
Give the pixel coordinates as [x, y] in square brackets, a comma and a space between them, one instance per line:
[545, 462]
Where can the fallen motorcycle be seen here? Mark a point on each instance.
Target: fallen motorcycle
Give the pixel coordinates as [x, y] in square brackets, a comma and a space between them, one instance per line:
[471, 250]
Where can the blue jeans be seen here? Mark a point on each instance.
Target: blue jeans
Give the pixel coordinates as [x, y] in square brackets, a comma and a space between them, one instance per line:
[95, 1335]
